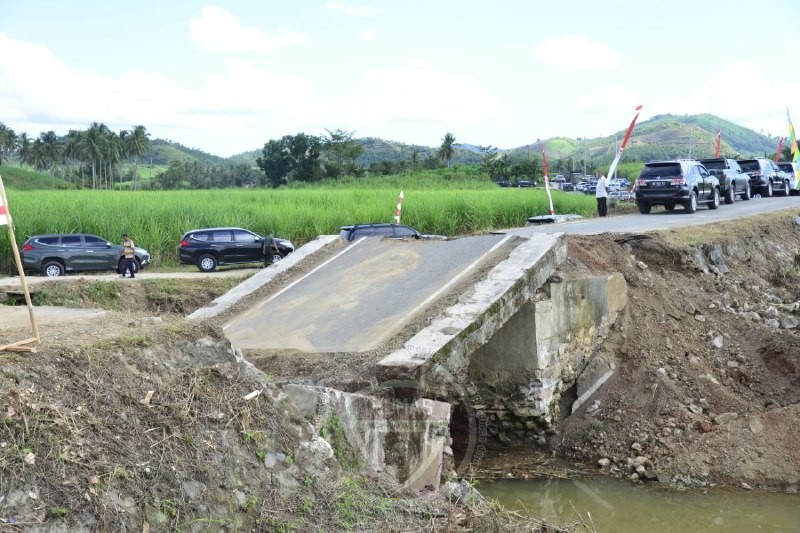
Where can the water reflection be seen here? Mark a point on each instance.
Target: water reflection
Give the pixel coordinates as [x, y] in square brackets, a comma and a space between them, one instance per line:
[621, 507]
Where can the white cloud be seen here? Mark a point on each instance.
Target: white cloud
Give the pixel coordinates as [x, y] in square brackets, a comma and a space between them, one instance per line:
[339, 7]
[571, 52]
[368, 36]
[220, 30]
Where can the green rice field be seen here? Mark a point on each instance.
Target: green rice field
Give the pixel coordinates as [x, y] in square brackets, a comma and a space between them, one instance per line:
[157, 219]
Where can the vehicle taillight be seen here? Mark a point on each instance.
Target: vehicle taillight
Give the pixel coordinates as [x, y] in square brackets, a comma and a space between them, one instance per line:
[27, 248]
[183, 243]
[679, 181]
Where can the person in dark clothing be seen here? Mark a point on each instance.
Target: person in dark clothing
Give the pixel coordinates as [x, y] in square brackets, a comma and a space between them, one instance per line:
[129, 252]
[269, 249]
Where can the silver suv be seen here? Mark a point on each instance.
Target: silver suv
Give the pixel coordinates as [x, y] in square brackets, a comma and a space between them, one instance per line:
[54, 255]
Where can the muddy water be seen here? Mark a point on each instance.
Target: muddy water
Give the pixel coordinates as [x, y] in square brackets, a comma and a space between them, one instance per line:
[615, 506]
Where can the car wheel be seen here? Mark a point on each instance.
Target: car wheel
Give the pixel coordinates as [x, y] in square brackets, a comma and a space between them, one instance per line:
[730, 194]
[769, 191]
[714, 203]
[53, 269]
[786, 188]
[644, 207]
[207, 263]
[691, 205]
[276, 257]
[669, 207]
[748, 193]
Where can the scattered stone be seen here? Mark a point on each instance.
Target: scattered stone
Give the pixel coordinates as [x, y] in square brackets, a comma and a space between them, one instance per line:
[604, 462]
[788, 322]
[717, 342]
[746, 486]
[636, 446]
[690, 309]
[732, 364]
[695, 409]
[756, 427]
[641, 265]
[703, 426]
[700, 318]
[724, 418]
[773, 323]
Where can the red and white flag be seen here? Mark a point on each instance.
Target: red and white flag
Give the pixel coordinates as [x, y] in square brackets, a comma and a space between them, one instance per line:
[719, 141]
[399, 208]
[547, 183]
[5, 216]
[614, 163]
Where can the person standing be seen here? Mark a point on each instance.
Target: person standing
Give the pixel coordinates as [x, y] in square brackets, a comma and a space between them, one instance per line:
[130, 256]
[269, 249]
[602, 194]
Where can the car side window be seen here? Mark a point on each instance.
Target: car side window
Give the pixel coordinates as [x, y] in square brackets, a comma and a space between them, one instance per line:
[365, 231]
[50, 241]
[72, 241]
[243, 236]
[95, 242]
[703, 171]
[221, 236]
[200, 236]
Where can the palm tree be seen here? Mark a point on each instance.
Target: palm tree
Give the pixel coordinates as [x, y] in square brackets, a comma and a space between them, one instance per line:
[447, 150]
[92, 148]
[136, 144]
[50, 150]
[25, 149]
[8, 142]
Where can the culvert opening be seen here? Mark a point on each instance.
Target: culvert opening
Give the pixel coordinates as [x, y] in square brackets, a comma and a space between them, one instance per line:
[463, 431]
[568, 398]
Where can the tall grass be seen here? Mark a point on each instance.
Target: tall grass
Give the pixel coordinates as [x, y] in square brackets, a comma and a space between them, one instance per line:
[157, 219]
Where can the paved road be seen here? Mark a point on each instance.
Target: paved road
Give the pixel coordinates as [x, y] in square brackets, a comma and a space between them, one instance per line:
[361, 297]
[664, 220]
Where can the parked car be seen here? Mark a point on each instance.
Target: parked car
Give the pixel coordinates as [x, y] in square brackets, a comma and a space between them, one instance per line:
[791, 169]
[568, 186]
[381, 229]
[524, 183]
[56, 254]
[765, 176]
[208, 248]
[503, 183]
[733, 181]
[669, 183]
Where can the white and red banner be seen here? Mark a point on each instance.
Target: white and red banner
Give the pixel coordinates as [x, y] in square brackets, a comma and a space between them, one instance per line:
[719, 141]
[399, 208]
[5, 216]
[614, 163]
[547, 182]
[793, 149]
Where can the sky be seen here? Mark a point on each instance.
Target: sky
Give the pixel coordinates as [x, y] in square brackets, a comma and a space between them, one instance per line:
[227, 76]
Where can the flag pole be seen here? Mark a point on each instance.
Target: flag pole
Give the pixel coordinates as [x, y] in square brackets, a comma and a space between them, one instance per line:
[547, 182]
[399, 208]
[18, 260]
[614, 163]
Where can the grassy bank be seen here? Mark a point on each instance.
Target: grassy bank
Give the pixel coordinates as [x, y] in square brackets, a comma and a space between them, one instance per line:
[157, 219]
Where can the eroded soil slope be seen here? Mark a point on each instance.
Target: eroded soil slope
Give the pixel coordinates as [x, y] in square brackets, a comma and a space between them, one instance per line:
[707, 382]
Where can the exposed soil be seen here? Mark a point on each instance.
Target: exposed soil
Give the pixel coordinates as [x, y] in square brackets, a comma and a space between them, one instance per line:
[706, 390]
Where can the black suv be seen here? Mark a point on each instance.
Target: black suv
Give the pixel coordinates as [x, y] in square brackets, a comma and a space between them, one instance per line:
[765, 176]
[669, 183]
[380, 229]
[54, 255]
[209, 247]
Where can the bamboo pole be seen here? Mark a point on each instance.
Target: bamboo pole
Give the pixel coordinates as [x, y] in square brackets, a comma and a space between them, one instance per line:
[18, 261]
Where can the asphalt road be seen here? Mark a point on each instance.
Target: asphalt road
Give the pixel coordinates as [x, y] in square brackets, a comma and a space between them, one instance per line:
[660, 219]
[361, 297]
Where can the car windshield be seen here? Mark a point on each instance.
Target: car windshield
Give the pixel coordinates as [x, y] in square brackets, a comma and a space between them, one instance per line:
[786, 167]
[749, 165]
[654, 171]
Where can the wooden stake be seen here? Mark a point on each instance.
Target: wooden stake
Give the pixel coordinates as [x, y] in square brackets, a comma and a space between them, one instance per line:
[18, 260]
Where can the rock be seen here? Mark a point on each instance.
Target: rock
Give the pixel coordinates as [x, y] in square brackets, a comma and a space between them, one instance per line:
[756, 427]
[773, 323]
[700, 318]
[604, 462]
[717, 342]
[641, 265]
[703, 426]
[732, 364]
[641, 470]
[695, 409]
[752, 316]
[771, 312]
[634, 477]
[746, 486]
[788, 322]
[636, 446]
[724, 418]
[690, 309]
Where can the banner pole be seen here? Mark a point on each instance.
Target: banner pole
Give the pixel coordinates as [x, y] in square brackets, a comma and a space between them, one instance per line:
[18, 261]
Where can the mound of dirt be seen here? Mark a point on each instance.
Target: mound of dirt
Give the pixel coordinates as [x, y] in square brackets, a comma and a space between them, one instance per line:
[707, 385]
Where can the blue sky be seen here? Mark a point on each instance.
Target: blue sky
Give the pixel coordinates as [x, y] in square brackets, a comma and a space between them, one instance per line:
[228, 76]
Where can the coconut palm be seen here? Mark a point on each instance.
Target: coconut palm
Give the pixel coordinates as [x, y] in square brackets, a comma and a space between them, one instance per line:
[8, 142]
[447, 150]
[92, 148]
[136, 144]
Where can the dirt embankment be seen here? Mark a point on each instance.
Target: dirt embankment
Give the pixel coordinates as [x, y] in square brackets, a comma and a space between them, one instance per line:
[707, 384]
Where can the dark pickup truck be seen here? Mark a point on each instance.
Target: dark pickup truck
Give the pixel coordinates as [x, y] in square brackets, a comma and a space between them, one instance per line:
[733, 181]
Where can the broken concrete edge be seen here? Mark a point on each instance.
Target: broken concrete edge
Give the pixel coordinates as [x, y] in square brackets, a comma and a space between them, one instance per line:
[529, 264]
[374, 427]
[261, 278]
